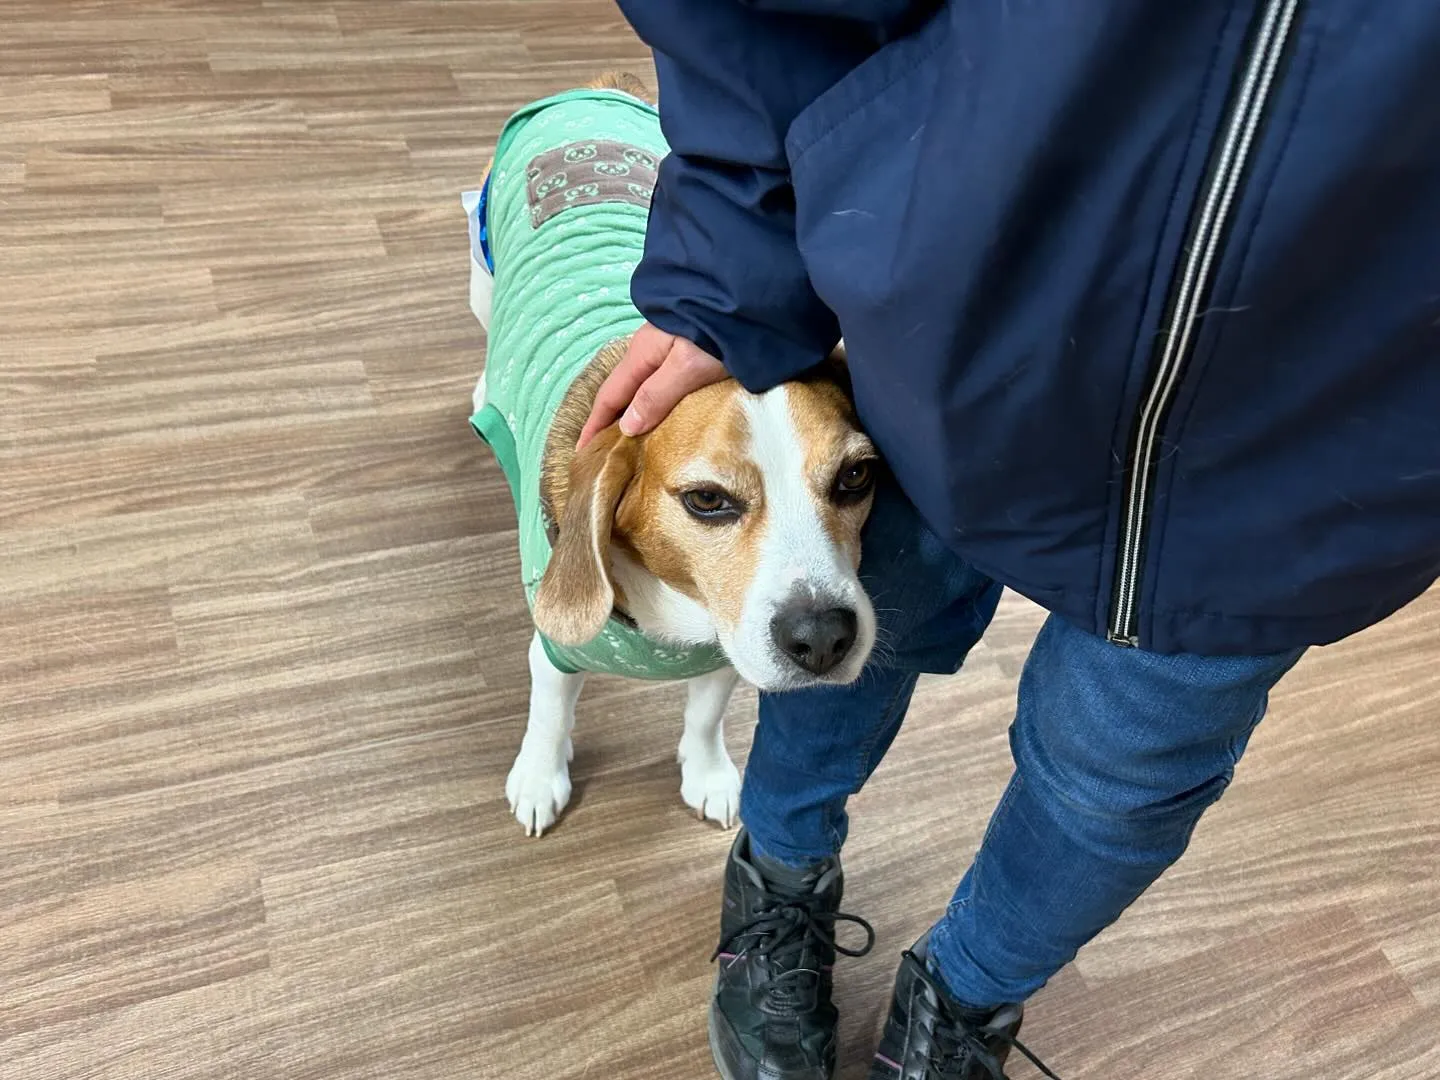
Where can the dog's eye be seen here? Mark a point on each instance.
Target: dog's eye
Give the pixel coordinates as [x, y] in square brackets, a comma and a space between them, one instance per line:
[856, 480]
[710, 505]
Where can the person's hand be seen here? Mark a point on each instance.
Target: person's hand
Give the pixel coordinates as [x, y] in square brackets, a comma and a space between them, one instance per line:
[658, 370]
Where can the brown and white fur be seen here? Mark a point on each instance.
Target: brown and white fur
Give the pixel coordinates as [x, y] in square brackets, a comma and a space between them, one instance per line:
[629, 538]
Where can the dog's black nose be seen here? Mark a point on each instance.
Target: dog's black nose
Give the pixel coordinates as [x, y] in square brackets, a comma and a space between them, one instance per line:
[817, 639]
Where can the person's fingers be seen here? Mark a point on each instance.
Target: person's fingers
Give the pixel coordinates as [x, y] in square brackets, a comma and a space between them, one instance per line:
[686, 369]
[614, 395]
[646, 352]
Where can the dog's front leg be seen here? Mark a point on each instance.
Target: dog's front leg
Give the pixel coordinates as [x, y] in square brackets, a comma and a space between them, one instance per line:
[538, 786]
[709, 781]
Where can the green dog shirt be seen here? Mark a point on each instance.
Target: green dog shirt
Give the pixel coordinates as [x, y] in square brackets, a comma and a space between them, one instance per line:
[561, 222]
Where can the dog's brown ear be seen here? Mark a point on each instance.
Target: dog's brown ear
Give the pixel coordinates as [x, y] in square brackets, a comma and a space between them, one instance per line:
[837, 369]
[576, 594]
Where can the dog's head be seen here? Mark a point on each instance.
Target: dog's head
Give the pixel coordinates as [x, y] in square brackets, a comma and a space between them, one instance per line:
[736, 521]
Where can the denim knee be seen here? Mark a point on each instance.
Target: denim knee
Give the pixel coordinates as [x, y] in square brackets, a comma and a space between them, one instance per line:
[1127, 747]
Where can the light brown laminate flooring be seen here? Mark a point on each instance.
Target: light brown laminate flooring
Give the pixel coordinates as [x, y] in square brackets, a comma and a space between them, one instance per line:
[262, 647]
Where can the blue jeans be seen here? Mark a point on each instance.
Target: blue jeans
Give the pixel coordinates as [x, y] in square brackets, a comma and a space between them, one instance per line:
[1117, 754]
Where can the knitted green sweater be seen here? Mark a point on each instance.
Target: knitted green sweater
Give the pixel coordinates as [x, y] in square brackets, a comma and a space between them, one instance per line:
[564, 215]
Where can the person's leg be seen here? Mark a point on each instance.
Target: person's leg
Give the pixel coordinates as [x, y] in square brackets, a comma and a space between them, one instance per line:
[772, 1017]
[812, 749]
[1117, 753]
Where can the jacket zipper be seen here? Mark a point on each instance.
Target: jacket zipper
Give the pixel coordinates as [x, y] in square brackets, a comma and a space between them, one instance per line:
[1189, 288]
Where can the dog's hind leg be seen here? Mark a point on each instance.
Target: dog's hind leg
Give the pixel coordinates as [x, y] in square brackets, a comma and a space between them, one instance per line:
[709, 781]
[478, 397]
[538, 786]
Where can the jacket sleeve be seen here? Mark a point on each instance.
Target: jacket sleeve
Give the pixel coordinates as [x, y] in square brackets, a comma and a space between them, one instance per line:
[721, 264]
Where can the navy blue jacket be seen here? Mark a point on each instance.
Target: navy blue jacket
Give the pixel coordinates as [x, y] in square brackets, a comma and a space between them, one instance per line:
[1141, 297]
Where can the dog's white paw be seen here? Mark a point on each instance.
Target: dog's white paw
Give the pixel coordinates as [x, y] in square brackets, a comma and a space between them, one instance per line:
[538, 790]
[710, 784]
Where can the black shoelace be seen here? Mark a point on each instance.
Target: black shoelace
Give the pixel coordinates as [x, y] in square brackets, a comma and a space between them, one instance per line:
[960, 1046]
[784, 932]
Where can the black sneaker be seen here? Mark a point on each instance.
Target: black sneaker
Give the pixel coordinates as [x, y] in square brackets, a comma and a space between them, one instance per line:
[772, 1017]
[929, 1036]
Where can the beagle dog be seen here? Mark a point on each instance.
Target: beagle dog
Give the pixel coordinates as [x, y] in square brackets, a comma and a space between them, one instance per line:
[723, 544]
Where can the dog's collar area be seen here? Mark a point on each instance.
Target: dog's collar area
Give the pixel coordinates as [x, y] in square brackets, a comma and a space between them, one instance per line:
[483, 232]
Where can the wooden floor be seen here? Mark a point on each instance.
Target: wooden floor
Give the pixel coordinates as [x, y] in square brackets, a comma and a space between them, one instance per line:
[262, 649]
